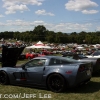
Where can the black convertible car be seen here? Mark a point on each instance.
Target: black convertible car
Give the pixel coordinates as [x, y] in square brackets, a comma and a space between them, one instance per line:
[82, 58]
[20, 57]
[10, 55]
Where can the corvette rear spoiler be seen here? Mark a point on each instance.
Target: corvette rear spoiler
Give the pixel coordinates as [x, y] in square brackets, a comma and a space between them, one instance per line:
[10, 55]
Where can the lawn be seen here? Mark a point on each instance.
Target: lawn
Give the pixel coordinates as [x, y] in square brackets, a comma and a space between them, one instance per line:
[90, 91]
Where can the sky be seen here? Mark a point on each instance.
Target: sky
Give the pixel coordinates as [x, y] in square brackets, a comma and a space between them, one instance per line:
[65, 16]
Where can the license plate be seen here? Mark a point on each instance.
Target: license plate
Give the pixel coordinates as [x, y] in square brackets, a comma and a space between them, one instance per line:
[88, 72]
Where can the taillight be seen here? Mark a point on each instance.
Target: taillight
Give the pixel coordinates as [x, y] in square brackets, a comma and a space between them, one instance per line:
[81, 68]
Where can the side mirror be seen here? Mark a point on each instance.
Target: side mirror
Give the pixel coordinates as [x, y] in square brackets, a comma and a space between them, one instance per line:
[24, 67]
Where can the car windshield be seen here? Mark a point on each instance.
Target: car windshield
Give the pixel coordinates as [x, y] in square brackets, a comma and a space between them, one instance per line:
[35, 63]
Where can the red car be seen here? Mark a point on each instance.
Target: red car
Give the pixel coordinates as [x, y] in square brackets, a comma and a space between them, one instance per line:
[45, 52]
[31, 55]
[42, 53]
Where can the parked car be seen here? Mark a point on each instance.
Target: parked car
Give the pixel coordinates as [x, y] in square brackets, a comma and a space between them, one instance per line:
[22, 56]
[31, 55]
[10, 55]
[95, 54]
[82, 58]
[38, 54]
[45, 52]
[55, 73]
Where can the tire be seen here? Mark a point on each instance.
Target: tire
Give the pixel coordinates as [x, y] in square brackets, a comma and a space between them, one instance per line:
[56, 83]
[4, 78]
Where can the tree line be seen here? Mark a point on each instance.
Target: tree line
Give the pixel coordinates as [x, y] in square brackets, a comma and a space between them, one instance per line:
[40, 33]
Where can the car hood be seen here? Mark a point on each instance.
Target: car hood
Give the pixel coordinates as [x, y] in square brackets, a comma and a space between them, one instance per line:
[10, 55]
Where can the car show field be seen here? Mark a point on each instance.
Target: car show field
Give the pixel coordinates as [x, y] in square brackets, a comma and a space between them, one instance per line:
[89, 91]
[85, 92]
[50, 50]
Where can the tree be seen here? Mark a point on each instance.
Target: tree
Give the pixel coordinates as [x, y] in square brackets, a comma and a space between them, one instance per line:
[50, 36]
[58, 37]
[40, 31]
[88, 39]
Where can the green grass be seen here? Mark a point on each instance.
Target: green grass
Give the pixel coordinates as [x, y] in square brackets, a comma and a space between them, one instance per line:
[90, 91]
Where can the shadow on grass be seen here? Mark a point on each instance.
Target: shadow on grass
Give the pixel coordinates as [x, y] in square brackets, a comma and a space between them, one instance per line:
[91, 87]
[97, 74]
[32, 87]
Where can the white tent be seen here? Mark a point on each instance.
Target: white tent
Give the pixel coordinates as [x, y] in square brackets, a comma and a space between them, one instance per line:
[39, 45]
[80, 48]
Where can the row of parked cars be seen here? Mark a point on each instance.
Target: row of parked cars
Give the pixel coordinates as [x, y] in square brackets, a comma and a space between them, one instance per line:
[93, 58]
[31, 55]
[55, 73]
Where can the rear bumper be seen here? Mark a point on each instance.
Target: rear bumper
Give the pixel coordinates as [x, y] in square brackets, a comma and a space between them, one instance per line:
[81, 78]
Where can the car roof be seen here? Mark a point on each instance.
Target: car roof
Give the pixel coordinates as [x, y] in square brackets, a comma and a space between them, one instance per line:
[48, 57]
[57, 57]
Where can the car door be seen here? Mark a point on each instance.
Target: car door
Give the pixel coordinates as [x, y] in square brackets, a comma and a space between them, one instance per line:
[35, 75]
[32, 72]
[20, 76]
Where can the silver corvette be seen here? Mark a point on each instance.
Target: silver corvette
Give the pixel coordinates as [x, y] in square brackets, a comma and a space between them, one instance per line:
[53, 72]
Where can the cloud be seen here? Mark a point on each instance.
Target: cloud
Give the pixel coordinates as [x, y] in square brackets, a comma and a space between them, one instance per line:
[90, 11]
[19, 5]
[43, 12]
[67, 27]
[1, 15]
[27, 2]
[13, 9]
[81, 5]
[98, 28]
[18, 25]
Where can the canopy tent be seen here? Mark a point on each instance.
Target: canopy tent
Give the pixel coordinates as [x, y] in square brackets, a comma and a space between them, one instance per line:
[39, 45]
[80, 48]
